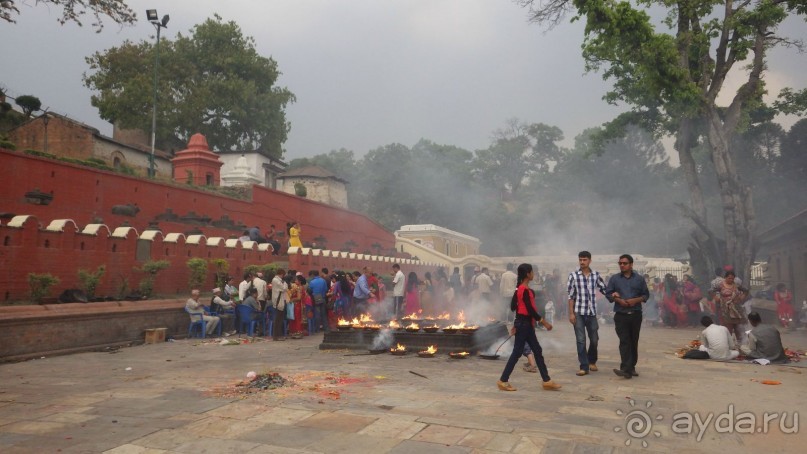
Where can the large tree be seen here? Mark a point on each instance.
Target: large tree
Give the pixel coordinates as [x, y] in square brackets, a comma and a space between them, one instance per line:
[73, 10]
[212, 81]
[672, 80]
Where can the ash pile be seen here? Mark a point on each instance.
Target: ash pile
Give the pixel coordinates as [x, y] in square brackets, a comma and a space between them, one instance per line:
[266, 381]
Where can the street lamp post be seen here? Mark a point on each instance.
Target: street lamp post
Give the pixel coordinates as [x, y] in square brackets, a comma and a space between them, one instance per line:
[151, 15]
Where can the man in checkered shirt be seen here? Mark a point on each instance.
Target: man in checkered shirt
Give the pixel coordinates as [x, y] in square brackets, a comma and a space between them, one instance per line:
[582, 287]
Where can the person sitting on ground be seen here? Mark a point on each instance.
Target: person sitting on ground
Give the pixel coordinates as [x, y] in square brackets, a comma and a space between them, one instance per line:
[764, 341]
[219, 306]
[195, 308]
[717, 341]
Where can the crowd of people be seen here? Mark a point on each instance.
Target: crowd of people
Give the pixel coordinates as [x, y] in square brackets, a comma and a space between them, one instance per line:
[273, 236]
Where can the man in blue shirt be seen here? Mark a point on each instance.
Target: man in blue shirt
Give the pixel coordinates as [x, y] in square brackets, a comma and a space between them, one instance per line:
[362, 292]
[319, 290]
[627, 290]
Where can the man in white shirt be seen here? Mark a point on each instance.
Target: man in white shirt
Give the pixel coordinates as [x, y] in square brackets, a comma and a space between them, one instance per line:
[717, 341]
[244, 286]
[399, 282]
[279, 299]
[260, 284]
[507, 287]
[484, 284]
[196, 309]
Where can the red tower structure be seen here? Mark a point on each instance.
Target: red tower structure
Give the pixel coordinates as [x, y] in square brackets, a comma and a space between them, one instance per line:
[197, 164]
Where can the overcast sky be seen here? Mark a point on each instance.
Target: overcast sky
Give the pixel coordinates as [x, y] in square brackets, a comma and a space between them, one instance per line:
[366, 73]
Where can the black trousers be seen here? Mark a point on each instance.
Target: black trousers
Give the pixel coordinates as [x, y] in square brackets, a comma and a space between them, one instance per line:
[627, 329]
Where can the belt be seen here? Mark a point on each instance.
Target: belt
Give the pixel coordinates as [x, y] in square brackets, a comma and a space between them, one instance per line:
[628, 312]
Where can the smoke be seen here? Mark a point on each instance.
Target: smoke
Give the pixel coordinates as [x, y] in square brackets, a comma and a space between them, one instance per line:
[383, 339]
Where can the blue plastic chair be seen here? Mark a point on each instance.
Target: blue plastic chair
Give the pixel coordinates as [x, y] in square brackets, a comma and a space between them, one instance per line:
[246, 322]
[198, 321]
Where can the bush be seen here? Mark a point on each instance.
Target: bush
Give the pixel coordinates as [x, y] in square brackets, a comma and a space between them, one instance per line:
[222, 266]
[151, 268]
[41, 284]
[198, 271]
[88, 281]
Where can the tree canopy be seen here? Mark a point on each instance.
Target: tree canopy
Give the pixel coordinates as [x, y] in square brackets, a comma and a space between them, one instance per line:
[212, 81]
[74, 10]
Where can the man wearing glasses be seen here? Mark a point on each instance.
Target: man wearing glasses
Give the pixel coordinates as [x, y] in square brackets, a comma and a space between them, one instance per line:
[627, 290]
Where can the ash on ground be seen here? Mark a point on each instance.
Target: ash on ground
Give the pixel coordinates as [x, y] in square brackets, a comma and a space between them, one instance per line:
[266, 381]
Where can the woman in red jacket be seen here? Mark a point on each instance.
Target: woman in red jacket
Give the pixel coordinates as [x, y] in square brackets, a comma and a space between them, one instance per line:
[523, 303]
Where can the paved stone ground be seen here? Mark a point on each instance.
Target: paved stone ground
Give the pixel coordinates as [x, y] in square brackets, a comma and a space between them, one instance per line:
[181, 397]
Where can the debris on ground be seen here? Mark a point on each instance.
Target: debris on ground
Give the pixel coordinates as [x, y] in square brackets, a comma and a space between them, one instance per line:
[321, 385]
[266, 381]
[594, 398]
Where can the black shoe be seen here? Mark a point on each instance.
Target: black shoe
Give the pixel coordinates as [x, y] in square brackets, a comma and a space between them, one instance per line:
[622, 373]
[633, 373]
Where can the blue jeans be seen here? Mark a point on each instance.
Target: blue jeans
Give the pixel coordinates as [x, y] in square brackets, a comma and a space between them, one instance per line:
[525, 334]
[583, 324]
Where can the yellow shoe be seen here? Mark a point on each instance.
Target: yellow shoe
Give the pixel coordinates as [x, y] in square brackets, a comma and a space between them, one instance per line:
[551, 386]
[505, 386]
[581, 372]
[593, 367]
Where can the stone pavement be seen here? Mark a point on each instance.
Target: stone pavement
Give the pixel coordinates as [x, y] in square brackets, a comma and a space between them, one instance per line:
[181, 397]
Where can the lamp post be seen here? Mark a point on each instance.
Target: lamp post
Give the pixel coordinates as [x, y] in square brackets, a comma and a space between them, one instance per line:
[45, 120]
[151, 15]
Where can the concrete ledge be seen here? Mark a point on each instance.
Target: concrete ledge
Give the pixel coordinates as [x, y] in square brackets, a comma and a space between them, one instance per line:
[53, 329]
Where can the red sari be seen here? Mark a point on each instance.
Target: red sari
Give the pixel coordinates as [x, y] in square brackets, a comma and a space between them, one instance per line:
[296, 325]
[783, 307]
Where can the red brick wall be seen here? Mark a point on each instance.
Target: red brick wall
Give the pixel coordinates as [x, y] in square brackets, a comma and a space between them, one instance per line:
[64, 138]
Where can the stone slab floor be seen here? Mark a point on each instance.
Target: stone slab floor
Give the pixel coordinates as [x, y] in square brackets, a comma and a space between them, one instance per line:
[181, 397]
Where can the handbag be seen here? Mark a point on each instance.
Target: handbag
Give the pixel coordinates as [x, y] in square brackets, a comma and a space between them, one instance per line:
[290, 311]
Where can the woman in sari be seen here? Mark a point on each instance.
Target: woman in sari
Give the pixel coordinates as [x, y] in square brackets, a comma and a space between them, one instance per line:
[732, 297]
[297, 300]
[784, 307]
[692, 300]
[412, 294]
[670, 298]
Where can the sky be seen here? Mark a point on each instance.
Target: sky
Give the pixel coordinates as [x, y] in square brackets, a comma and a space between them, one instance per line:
[366, 73]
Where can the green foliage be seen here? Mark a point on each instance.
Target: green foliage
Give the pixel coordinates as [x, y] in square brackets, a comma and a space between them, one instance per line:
[40, 285]
[29, 104]
[95, 163]
[7, 144]
[300, 190]
[198, 269]
[73, 10]
[150, 268]
[88, 280]
[252, 269]
[221, 266]
[123, 287]
[126, 170]
[220, 86]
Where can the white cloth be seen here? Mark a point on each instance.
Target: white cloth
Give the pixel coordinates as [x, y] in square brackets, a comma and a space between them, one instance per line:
[508, 284]
[400, 284]
[227, 305]
[718, 342]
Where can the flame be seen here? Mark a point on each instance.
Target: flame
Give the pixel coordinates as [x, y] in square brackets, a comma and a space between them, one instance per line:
[461, 316]
[428, 317]
[444, 316]
[393, 324]
[461, 354]
[364, 318]
[412, 326]
[398, 348]
[355, 321]
[433, 326]
[373, 326]
[410, 316]
[343, 322]
[431, 350]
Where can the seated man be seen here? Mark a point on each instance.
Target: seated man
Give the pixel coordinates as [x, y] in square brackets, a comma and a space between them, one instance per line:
[717, 341]
[252, 301]
[220, 305]
[194, 307]
[764, 341]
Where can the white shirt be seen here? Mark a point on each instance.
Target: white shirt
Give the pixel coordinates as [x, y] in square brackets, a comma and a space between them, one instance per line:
[484, 283]
[508, 284]
[242, 290]
[260, 284]
[222, 303]
[399, 280]
[279, 288]
[718, 342]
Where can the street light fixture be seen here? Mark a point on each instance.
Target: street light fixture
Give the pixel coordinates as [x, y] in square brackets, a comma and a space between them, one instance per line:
[151, 15]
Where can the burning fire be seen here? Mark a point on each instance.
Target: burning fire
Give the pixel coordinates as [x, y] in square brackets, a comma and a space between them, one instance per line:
[461, 325]
[393, 324]
[398, 348]
[431, 350]
[432, 326]
[365, 318]
[342, 322]
[413, 326]
[461, 317]
[461, 354]
[412, 316]
[444, 316]
[356, 323]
